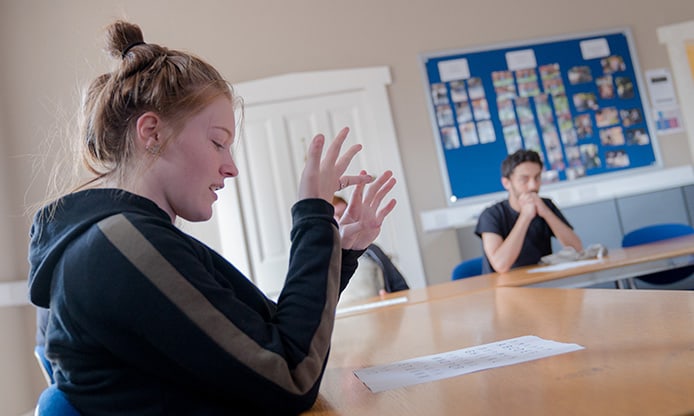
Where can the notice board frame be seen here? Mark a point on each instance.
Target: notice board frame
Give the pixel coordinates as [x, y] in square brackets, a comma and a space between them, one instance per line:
[579, 100]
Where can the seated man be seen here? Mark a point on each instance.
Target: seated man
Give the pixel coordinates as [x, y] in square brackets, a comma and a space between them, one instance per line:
[518, 231]
[393, 280]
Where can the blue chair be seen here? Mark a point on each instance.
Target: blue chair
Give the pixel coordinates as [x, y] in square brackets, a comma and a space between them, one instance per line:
[53, 402]
[467, 268]
[659, 232]
[46, 367]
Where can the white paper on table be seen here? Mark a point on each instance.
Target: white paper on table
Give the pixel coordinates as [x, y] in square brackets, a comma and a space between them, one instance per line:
[455, 363]
[563, 266]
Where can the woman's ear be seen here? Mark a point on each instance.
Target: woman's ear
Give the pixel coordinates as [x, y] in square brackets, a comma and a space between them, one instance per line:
[147, 128]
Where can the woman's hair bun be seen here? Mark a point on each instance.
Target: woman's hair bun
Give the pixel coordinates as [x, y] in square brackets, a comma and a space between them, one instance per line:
[121, 36]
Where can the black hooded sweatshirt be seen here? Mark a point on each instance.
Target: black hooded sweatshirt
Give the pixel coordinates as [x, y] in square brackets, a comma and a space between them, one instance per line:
[146, 320]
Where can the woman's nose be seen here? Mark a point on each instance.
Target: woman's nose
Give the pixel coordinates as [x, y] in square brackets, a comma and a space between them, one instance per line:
[229, 168]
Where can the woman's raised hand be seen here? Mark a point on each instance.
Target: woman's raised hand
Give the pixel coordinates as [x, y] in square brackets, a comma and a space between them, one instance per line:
[362, 220]
[321, 178]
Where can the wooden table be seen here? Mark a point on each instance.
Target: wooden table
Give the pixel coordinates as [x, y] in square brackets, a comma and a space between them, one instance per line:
[619, 264]
[405, 297]
[639, 356]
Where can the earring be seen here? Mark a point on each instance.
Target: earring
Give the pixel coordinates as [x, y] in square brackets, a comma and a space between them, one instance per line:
[154, 150]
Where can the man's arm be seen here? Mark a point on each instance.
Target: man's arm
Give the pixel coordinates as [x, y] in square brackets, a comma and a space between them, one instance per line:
[566, 236]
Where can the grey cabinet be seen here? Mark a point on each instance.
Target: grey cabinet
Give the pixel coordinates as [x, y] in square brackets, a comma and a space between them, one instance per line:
[688, 193]
[595, 223]
[659, 207]
[470, 245]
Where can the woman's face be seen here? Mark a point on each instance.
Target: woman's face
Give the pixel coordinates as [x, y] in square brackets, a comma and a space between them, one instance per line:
[184, 178]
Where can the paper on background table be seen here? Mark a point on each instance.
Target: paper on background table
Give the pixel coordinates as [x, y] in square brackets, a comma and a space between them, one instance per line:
[564, 266]
[455, 363]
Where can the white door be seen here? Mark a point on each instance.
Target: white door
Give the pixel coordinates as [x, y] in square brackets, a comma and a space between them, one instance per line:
[282, 115]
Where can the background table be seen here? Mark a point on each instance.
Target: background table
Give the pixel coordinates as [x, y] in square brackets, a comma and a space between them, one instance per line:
[619, 264]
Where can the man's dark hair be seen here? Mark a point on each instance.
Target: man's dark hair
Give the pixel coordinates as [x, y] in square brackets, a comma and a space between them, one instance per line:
[520, 156]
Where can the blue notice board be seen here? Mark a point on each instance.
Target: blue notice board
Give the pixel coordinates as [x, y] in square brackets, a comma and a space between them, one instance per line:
[576, 100]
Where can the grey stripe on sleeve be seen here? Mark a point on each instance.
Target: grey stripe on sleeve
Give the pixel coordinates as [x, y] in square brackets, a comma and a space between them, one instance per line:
[147, 259]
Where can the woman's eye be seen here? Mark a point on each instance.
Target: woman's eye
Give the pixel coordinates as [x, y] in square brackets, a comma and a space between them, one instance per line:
[218, 145]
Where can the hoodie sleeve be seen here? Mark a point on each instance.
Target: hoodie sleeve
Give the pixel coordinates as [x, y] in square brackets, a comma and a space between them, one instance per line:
[170, 307]
[350, 262]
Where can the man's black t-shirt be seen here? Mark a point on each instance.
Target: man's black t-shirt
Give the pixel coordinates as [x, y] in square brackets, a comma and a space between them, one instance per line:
[500, 219]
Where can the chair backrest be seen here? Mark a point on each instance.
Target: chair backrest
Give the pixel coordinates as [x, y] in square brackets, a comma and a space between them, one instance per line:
[467, 268]
[654, 233]
[53, 402]
[46, 367]
[393, 280]
[659, 232]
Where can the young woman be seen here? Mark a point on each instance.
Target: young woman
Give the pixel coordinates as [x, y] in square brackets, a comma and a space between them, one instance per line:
[145, 319]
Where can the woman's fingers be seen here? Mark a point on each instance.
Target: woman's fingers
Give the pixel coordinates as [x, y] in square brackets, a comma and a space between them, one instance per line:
[336, 145]
[333, 151]
[323, 175]
[362, 221]
[379, 188]
[354, 208]
[309, 185]
[334, 165]
[382, 192]
[383, 212]
[343, 161]
[352, 180]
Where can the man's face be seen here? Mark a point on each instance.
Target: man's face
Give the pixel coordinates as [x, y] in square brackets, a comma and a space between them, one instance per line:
[526, 177]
